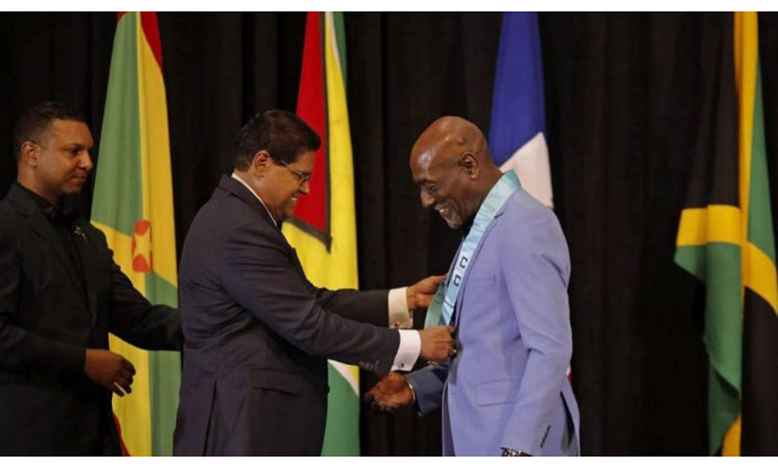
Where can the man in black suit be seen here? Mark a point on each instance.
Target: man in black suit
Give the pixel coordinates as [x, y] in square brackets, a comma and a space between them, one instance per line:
[258, 333]
[60, 295]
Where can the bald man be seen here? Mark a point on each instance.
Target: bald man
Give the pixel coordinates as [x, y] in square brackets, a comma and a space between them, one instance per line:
[505, 392]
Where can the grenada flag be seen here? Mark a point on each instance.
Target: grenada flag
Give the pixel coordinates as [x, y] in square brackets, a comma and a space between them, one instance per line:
[133, 206]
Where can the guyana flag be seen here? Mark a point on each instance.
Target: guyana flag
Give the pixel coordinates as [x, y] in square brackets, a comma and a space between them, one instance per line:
[133, 206]
[323, 228]
[726, 239]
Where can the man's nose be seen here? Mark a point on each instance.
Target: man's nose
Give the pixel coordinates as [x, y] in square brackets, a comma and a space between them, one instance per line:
[426, 199]
[305, 187]
[86, 162]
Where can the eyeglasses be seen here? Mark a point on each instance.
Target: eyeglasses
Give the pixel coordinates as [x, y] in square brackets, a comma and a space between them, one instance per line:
[301, 176]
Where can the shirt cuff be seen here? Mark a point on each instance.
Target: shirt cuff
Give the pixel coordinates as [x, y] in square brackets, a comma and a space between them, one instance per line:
[408, 351]
[399, 315]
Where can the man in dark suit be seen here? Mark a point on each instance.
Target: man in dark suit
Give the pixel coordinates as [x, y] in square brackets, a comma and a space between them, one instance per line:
[258, 333]
[60, 295]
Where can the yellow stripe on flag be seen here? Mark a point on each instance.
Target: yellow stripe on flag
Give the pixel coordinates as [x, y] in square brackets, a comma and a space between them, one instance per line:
[762, 276]
[155, 161]
[344, 229]
[133, 410]
[716, 223]
[722, 223]
[731, 445]
[746, 56]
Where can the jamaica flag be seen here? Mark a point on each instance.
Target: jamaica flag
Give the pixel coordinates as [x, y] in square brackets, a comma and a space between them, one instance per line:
[726, 239]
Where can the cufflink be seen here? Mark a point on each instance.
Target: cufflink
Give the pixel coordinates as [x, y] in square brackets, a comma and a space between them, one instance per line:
[506, 452]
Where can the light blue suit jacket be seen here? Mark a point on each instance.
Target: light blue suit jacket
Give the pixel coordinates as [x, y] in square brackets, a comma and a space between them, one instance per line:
[507, 385]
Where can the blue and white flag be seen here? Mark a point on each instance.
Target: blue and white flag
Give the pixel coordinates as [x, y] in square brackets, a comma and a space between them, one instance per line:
[518, 123]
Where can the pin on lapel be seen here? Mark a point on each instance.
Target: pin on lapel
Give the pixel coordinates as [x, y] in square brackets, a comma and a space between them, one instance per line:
[79, 231]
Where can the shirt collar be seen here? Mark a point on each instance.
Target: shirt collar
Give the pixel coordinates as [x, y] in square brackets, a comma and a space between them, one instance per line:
[236, 177]
[54, 213]
[41, 202]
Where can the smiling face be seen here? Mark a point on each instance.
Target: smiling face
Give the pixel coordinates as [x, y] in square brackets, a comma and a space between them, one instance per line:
[443, 184]
[453, 169]
[283, 184]
[60, 161]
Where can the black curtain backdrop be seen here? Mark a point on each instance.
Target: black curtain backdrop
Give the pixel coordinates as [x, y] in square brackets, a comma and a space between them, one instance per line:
[623, 100]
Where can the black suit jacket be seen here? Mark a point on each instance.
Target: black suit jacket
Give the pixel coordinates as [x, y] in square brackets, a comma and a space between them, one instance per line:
[258, 334]
[47, 404]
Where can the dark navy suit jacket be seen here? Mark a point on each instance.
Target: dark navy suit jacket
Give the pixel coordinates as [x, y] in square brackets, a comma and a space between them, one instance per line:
[258, 335]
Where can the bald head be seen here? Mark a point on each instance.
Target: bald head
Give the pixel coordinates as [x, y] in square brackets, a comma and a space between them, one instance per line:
[446, 139]
[452, 166]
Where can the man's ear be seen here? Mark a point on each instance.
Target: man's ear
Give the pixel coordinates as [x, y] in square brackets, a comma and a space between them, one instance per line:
[260, 162]
[469, 163]
[28, 154]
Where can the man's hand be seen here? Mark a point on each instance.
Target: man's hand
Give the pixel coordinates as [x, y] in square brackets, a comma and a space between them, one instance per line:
[436, 343]
[419, 296]
[110, 370]
[391, 393]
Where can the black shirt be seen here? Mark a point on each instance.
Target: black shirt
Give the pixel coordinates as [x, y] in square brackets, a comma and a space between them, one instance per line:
[63, 219]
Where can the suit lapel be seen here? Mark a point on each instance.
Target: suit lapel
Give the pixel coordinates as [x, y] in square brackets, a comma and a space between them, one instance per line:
[236, 188]
[472, 261]
[44, 229]
[89, 264]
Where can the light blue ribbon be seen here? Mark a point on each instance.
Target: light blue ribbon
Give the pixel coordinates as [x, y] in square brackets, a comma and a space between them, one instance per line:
[442, 307]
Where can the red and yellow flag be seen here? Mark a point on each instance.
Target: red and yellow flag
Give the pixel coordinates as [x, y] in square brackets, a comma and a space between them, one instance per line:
[323, 228]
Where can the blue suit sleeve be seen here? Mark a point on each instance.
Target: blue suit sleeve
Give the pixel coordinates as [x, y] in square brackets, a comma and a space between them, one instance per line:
[428, 383]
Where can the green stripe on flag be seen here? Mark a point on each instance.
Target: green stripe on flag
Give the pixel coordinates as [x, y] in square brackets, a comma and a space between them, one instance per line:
[719, 266]
[340, 40]
[120, 138]
[760, 218]
[130, 149]
[164, 374]
[724, 319]
[341, 437]
[723, 407]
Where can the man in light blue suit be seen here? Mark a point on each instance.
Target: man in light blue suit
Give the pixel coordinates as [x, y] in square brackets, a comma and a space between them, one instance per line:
[506, 391]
